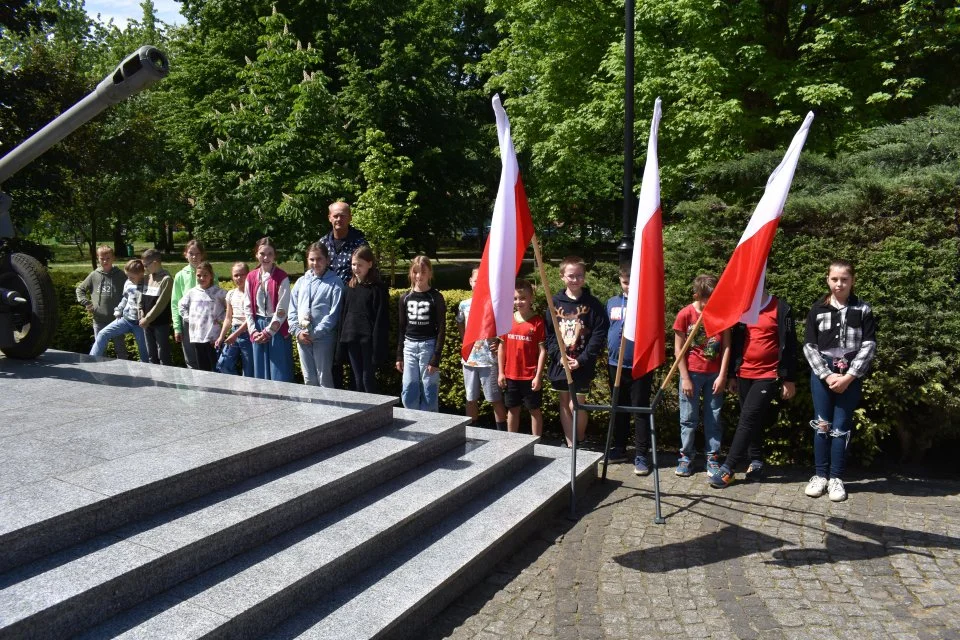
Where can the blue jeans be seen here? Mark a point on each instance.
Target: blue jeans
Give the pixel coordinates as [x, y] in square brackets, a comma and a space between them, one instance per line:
[115, 331]
[316, 362]
[241, 350]
[119, 346]
[830, 447]
[272, 360]
[690, 415]
[421, 390]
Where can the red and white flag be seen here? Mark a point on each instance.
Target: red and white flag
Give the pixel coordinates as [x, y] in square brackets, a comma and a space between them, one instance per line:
[645, 302]
[737, 297]
[491, 312]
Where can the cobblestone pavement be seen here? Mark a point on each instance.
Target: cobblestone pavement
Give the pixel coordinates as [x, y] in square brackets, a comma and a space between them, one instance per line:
[757, 560]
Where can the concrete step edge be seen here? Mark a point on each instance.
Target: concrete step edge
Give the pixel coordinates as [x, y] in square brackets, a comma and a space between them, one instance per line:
[138, 561]
[253, 592]
[401, 595]
[97, 513]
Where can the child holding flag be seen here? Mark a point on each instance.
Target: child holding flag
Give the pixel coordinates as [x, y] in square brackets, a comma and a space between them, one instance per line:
[703, 371]
[583, 329]
[480, 367]
[765, 367]
[636, 391]
[521, 359]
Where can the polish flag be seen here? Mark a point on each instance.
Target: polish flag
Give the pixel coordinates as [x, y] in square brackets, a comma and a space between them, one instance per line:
[491, 312]
[645, 306]
[737, 297]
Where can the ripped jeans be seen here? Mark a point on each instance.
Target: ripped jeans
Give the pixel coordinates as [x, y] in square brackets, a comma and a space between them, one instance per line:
[830, 446]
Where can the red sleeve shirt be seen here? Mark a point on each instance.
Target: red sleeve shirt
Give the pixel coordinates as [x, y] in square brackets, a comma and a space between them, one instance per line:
[704, 353]
[522, 346]
[761, 346]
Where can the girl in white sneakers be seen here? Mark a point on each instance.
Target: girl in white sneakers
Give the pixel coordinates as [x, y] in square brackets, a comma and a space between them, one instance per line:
[840, 343]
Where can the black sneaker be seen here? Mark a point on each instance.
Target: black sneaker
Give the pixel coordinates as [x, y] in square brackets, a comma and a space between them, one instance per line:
[616, 454]
[754, 472]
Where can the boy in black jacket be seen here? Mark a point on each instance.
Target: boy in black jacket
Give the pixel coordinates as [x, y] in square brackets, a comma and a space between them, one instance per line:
[583, 328]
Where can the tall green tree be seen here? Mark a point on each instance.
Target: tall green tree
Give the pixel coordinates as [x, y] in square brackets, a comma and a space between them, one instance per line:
[276, 151]
[99, 181]
[383, 209]
[734, 77]
[404, 68]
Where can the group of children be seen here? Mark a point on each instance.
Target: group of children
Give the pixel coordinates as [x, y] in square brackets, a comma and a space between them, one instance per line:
[248, 329]
[758, 362]
[253, 325]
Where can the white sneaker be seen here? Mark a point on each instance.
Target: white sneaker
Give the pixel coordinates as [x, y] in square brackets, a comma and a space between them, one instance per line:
[816, 486]
[836, 490]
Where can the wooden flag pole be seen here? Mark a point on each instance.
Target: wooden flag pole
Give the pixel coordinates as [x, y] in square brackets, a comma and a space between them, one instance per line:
[566, 369]
[614, 398]
[553, 311]
[686, 347]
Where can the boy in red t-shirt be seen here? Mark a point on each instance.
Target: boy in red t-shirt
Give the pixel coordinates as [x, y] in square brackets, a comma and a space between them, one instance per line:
[521, 359]
[703, 370]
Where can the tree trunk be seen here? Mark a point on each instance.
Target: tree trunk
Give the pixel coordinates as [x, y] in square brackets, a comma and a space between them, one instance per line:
[93, 240]
[119, 244]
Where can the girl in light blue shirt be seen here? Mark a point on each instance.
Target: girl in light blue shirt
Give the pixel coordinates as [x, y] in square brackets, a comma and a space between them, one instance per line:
[315, 316]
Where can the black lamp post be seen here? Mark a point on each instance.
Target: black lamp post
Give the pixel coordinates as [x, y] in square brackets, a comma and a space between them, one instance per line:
[625, 248]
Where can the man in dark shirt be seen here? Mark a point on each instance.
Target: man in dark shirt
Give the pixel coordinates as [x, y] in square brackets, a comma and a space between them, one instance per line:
[342, 240]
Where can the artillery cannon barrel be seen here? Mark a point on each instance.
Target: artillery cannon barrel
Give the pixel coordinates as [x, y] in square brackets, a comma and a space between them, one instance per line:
[139, 70]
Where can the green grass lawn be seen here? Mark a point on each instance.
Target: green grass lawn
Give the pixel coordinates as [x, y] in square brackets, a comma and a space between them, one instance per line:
[66, 258]
[451, 267]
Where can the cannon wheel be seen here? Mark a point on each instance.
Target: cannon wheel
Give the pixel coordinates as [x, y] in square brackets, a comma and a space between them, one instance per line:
[34, 323]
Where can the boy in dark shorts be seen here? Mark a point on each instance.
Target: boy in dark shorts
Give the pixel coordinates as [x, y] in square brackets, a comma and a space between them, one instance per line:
[583, 330]
[521, 359]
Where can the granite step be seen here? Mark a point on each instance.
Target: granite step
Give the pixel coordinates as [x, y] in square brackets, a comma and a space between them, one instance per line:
[77, 588]
[172, 435]
[252, 593]
[399, 595]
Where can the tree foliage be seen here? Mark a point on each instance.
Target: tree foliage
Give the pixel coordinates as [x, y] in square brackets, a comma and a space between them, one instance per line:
[383, 209]
[102, 180]
[401, 68]
[735, 77]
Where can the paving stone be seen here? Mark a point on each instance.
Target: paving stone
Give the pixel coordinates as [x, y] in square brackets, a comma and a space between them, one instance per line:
[755, 561]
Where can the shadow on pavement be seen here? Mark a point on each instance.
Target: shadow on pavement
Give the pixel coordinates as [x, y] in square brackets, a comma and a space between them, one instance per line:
[885, 541]
[728, 543]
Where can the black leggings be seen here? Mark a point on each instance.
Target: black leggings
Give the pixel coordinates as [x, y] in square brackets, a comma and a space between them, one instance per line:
[758, 409]
[364, 369]
[206, 356]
